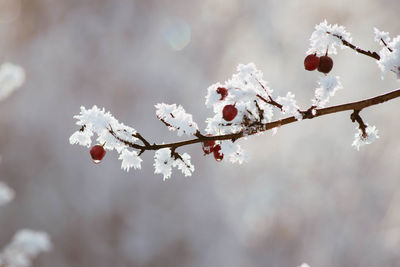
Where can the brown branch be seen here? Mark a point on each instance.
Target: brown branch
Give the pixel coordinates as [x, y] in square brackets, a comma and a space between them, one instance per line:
[355, 117]
[166, 123]
[258, 127]
[138, 135]
[356, 48]
[270, 101]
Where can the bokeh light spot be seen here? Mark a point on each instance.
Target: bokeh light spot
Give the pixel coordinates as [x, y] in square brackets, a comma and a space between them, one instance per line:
[177, 33]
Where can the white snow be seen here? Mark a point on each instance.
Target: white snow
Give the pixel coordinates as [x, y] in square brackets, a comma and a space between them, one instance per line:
[320, 40]
[359, 140]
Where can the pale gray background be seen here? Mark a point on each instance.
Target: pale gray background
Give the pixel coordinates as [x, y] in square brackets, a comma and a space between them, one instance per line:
[305, 196]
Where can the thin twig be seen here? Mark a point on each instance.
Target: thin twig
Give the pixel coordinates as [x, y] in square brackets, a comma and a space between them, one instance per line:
[270, 101]
[355, 117]
[385, 44]
[356, 48]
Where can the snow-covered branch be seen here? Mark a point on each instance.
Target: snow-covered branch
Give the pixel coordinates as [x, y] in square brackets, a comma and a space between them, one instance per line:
[244, 105]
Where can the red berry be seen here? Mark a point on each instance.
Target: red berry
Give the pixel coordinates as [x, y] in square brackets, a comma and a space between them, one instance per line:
[311, 62]
[325, 64]
[223, 92]
[208, 146]
[97, 152]
[229, 112]
[217, 154]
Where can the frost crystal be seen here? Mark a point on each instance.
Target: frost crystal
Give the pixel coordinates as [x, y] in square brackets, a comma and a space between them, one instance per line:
[176, 118]
[289, 105]
[390, 60]
[212, 96]
[360, 140]
[233, 152]
[109, 132]
[11, 77]
[321, 41]
[184, 164]
[328, 85]
[381, 35]
[26, 245]
[245, 89]
[6, 194]
[97, 121]
[81, 138]
[164, 161]
[130, 159]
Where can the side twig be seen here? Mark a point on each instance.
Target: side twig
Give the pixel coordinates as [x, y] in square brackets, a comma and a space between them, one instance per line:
[355, 117]
[356, 48]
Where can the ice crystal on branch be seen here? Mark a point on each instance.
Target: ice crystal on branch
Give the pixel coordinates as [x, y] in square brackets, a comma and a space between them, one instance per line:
[82, 137]
[325, 38]
[289, 105]
[213, 97]
[110, 132]
[25, 245]
[183, 164]
[328, 85]
[233, 152]
[245, 90]
[103, 124]
[164, 160]
[11, 77]
[6, 194]
[381, 36]
[371, 134]
[130, 159]
[390, 57]
[176, 118]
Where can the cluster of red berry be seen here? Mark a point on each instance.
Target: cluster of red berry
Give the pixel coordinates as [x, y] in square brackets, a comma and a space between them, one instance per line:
[229, 112]
[323, 63]
[210, 147]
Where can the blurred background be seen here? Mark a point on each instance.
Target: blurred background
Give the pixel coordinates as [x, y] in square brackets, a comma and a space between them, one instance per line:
[305, 196]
